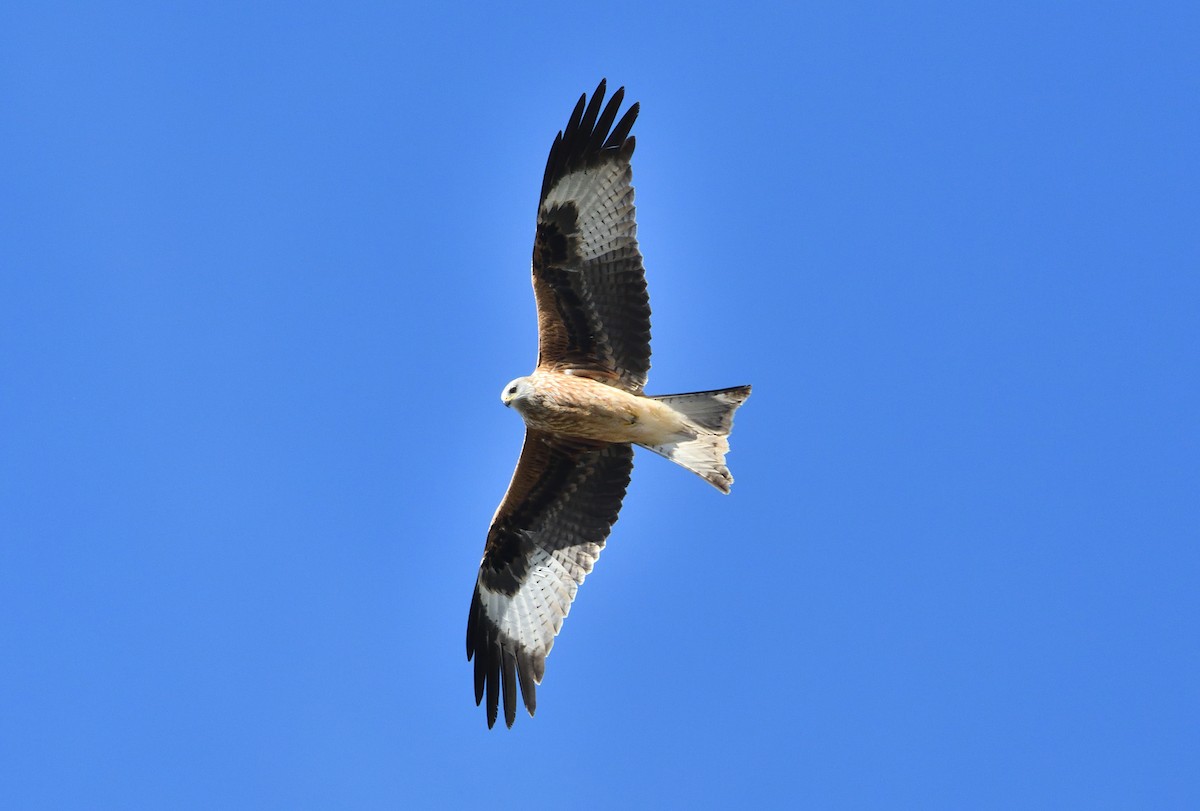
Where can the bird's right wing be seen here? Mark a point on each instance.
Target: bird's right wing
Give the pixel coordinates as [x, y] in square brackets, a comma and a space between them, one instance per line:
[544, 539]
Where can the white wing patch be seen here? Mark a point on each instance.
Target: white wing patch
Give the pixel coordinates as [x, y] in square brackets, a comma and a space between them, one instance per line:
[603, 196]
[534, 615]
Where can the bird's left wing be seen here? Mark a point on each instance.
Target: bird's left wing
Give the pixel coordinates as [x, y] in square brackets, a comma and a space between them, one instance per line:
[588, 279]
[544, 539]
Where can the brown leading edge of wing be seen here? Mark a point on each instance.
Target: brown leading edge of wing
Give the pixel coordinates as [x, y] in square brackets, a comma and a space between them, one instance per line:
[544, 539]
[588, 278]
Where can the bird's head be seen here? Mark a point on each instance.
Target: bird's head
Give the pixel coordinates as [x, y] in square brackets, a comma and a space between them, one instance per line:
[517, 390]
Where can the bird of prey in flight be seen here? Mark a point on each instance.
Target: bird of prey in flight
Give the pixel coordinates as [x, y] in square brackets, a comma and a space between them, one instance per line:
[584, 408]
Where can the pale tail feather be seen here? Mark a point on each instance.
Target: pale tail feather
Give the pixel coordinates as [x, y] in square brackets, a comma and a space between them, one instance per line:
[710, 413]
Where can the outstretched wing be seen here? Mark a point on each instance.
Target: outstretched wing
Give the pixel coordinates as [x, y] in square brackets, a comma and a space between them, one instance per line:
[544, 539]
[588, 279]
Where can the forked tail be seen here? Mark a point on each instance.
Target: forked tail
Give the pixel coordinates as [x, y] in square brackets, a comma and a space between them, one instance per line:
[710, 416]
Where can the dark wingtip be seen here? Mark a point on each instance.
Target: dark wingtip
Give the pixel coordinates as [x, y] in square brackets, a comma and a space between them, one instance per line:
[508, 665]
[589, 134]
[621, 131]
[499, 669]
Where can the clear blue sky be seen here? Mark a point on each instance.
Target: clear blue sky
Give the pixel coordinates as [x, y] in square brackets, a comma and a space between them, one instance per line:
[263, 273]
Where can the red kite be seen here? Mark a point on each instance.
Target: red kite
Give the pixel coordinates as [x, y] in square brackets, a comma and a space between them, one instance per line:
[583, 406]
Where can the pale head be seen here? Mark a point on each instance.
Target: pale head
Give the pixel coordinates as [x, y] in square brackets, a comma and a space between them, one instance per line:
[518, 389]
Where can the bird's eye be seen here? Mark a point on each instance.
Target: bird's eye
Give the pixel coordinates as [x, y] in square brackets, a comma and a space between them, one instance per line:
[512, 389]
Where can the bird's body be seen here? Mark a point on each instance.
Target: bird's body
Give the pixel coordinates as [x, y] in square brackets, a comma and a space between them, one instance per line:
[579, 406]
[584, 408]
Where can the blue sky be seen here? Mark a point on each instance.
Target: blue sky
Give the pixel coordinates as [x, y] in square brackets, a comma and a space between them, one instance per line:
[263, 272]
